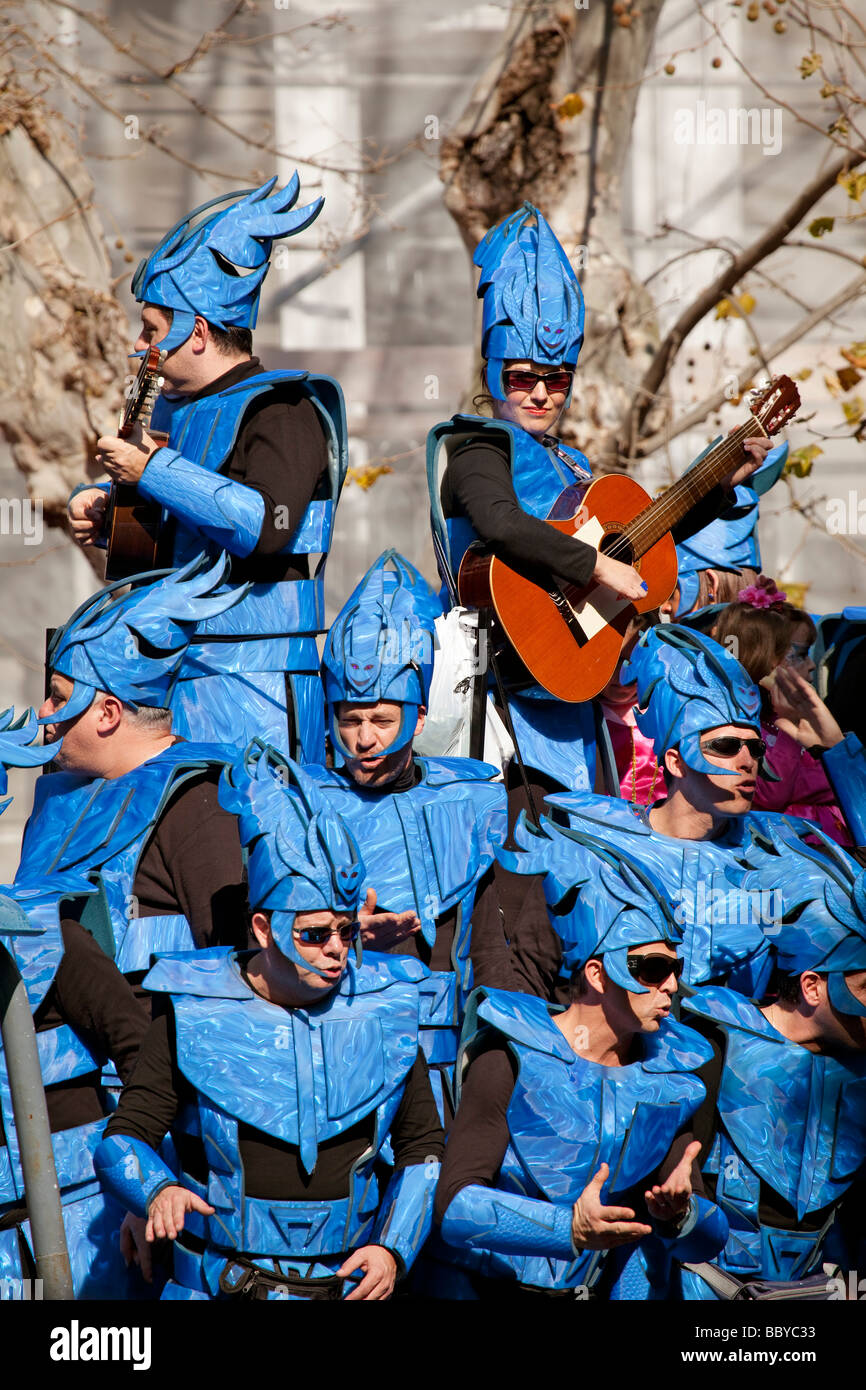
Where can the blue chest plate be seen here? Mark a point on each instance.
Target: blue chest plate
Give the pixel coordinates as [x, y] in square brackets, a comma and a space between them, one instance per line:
[568, 1115]
[796, 1118]
[205, 431]
[426, 847]
[308, 1074]
[539, 474]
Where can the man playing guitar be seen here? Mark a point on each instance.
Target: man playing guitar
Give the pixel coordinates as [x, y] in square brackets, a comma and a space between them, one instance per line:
[253, 464]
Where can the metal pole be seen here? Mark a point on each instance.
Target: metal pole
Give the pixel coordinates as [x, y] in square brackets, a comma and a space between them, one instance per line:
[34, 1134]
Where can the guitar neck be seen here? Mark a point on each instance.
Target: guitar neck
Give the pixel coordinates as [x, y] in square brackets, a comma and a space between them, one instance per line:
[664, 513]
[142, 398]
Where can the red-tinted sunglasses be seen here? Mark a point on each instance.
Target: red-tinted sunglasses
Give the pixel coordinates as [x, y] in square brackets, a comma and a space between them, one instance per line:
[518, 379]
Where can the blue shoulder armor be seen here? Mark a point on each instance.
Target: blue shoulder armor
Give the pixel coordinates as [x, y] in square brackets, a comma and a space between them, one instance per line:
[521, 1018]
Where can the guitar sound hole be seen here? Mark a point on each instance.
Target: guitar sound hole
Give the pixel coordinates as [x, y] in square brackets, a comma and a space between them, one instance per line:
[618, 547]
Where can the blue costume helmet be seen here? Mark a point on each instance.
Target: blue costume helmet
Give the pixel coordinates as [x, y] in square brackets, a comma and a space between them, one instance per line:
[301, 856]
[380, 646]
[215, 266]
[686, 684]
[133, 645]
[600, 902]
[533, 305]
[730, 542]
[16, 736]
[818, 918]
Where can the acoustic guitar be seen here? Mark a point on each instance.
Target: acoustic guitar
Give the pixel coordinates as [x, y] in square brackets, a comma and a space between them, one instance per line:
[570, 638]
[133, 525]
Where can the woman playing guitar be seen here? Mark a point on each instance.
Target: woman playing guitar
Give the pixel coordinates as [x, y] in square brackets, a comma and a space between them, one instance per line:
[498, 480]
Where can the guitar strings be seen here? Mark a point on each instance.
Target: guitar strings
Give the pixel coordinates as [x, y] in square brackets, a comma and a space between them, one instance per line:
[632, 538]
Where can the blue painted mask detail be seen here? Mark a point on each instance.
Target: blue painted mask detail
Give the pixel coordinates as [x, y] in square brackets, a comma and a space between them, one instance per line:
[132, 645]
[533, 305]
[380, 646]
[302, 857]
[686, 685]
[214, 265]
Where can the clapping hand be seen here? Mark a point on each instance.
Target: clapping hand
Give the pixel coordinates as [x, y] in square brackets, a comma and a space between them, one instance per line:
[597, 1227]
[670, 1200]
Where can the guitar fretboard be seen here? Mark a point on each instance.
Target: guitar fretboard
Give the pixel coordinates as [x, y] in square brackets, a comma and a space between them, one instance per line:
[661, 515]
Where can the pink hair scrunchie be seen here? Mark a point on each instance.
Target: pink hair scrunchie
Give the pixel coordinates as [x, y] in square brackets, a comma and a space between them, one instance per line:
[762, 594]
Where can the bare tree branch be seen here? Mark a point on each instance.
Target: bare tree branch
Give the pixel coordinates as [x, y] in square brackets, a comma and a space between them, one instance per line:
[77, 207]
[815, 245]
[833, 137]
[148, 136]
[760, 248]
[369, 165]
[700, 412]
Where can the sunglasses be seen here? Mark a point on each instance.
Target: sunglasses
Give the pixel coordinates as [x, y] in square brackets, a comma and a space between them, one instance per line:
[729, 746]
[516, 379]
[317, 936]
[655, 969]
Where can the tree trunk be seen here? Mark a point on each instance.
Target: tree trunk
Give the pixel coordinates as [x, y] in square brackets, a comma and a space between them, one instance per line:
[63, 350]
[519, 139]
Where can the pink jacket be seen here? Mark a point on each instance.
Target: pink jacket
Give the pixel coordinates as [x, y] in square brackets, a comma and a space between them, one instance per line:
[803, 789]
[640, 777]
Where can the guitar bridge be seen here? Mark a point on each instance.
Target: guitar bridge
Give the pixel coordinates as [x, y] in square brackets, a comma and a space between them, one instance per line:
[568, 615]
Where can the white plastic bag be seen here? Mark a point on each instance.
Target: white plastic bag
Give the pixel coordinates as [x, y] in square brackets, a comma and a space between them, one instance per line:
[457, 661]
